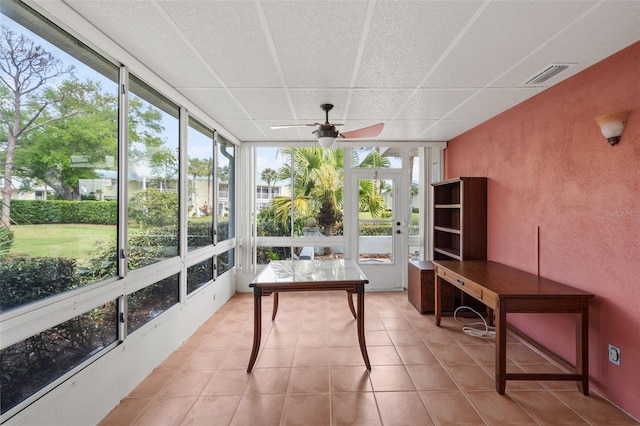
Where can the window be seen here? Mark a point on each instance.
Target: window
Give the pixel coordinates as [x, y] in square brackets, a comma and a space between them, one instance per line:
[149, 302]
[58, 226]
[200, 185]
[31, 364]
[152, 176]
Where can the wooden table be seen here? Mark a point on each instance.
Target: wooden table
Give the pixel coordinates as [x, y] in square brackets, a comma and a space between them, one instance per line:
[308, 275]
[505, 289]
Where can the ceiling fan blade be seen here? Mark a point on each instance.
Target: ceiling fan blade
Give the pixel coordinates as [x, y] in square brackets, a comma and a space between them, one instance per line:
[365, 132]
[291, 126]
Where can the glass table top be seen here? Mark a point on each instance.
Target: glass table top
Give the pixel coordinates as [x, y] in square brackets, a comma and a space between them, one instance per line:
[296, 271]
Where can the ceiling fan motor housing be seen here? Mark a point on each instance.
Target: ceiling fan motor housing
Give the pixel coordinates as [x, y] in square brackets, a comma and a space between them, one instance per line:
[324, 131]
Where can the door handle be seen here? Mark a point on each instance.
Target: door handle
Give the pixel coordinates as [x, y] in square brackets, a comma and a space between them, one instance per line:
[398, 231]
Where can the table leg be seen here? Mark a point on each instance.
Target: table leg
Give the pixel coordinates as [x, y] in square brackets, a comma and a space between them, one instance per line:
[350, 301]
[257, 326]
[275, 306]
[582, 348]
[360, 325]
[437, 297]
[501, 347]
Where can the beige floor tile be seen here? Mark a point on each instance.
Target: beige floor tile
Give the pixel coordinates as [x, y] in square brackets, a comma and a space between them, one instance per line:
[383, 355]
[402, 409]
[405, 337]
[275, 357]
[420, 354]
[346, 355]
[309, 380]
[227, 382]
[165, 411]
[498, 409]
[268, 380]
[311, 357]
[451, 354]
[450, 408]
[307, 410]
[188, 383]
[471, 377]
[154, 384]
[546, 409]
[390, 378]
[354, 408]
[421, 374]
[350, 379]
[431, 377]
[212, 411]
[263, 410]
[595, 409]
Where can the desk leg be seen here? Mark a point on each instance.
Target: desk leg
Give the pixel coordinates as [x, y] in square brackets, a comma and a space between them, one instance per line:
[257, 326]
[437, 299]
[275, 306]
[350, 301]
[582, 348]
[501, 346]
[360, 323]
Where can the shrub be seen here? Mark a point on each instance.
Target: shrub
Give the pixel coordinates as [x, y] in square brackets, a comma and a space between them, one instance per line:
[34, 212]
[152, 207]
[27, 279]
[6, 239]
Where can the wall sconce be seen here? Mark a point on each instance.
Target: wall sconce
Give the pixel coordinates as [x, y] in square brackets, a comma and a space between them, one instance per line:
[612, 126]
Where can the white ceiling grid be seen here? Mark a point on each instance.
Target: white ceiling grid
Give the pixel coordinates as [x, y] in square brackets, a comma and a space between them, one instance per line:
[430, 70]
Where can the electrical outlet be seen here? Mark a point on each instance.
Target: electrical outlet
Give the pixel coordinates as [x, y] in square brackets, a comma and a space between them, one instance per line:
[614, 355]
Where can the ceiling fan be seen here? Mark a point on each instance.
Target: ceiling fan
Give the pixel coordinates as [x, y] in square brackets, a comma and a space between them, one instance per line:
[326, 134]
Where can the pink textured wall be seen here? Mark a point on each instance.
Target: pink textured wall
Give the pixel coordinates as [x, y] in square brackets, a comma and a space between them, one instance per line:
[549, 168]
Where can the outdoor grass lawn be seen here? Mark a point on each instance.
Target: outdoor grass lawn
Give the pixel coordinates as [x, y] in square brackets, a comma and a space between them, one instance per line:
[59, 240]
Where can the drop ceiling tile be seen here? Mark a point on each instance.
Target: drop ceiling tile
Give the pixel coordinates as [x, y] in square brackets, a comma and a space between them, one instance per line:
[504, 34]
[446, 130]
[581, 44]
[228, 35]
[218, 103]
[377, 104]
[306, 104]
[263, 104]
[316, 42]
[245, 130]
[433, 103]
[143, 31]
[490, 102]
[406, 39]
[400, 130]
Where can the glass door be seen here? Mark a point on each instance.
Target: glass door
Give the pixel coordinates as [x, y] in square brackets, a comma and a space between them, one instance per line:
[381, 231]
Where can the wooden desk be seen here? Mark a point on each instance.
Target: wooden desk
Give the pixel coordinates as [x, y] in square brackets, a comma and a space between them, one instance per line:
[308, 275]
[505, 289]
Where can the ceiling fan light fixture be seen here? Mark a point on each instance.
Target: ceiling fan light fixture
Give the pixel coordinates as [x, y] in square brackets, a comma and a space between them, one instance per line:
[326, 136]
[326, 142]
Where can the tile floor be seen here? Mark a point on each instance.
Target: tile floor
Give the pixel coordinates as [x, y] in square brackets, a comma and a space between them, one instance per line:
[310, 372]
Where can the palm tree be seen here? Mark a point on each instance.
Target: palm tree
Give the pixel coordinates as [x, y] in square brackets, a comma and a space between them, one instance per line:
[318, 186]
[269, 175]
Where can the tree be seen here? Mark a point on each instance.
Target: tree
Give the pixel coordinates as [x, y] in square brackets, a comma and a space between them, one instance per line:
[269, 175]
[28, 73]
[197, 168]
[74, 148]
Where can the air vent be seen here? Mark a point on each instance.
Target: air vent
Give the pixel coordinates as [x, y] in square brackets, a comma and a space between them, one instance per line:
[547, 73]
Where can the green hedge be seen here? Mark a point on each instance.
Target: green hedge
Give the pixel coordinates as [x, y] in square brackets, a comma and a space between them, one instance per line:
[27, 279]
[35, 212]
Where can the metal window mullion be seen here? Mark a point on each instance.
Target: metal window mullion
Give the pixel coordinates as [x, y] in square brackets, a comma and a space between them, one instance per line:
[183, 125]
[123, 169]
[214, 187]
[123, 183]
